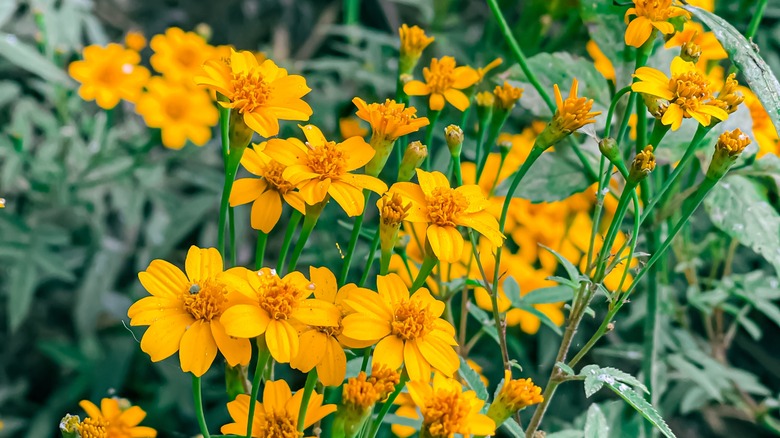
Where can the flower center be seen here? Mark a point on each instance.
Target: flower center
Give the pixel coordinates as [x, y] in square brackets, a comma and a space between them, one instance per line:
[188, 57]
[250, 91]
[333, 332]
[327, 160]
[93, 428]
[655, 10]
[445, 413]
[273, 175]
[111, 74]
[411, 321]
[444, 205]
[175, 107]
[439, 76]
[205, 301]
[278, 297]
[279, 425]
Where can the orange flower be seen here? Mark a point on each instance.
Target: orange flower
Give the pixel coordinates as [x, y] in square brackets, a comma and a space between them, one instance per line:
[118, 420]
[180, 55]
[109, 74]
[444, 81]
[649, 15]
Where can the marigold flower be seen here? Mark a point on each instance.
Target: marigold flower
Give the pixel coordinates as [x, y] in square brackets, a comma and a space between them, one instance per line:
[600, 61]
[389, 120]
[729, 98]
[321, 346]
[277, 415]
[443, 208]
[448, 410]
[321, 167]
[686, 94]
[135, 40]
[262, 93]
[180, 55]
[413, 42]
[513, 396]
[109, 74]
[414, 155]
[572, 114]
[183, 313]
[409, 330]
[728, 148]
[113, 420]
[267, 192]
[649, 15]
[485, 99]
[444, 81]
[384, 380]
[643, 164]
[276, 306]
[181, 113]
[507, 96]
[359, 396]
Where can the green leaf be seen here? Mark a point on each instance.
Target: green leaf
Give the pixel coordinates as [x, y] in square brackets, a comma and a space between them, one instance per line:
[26, 57]
[403, 421]
[21, 288]
[739, 209]
[596, 423]
[7, 9]
[472, 380]
[511, 427]
[565, 368]
[556, 175]
[487, 323]
[512, 291]
[745, 56]
[553, 294]
[611, 375]
[571, 270]
[592, 385]
[641, 405]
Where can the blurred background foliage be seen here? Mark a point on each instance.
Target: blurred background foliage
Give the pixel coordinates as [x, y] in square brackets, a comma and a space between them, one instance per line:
[93, 197]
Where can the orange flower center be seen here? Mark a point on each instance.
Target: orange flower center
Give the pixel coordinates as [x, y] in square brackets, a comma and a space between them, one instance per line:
[444, 205]
[175, 107]
[440, 76]
[206, 300]
[279, 425]
[655, 10]
[278, 297]
[445, 413]
[273, 176]
[188, 57]
[690, 89]
[93, 428]
[327, 160]
[333, 332]
[111, 74]
[411, 321]
[250, 91]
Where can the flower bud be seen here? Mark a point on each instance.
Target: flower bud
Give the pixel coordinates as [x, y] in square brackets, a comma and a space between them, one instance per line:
[413, 42]
[69, 426]
[414, 156]
[728, 148]
[729, 98]
[690, 51]
[572, 114]
[454, 136]
[392, 213]
[239, 133]
[507, 96]
[513, 396]
[643, 164]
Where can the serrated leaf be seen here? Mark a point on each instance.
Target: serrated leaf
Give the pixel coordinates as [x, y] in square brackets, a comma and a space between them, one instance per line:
[545, 295]
[596, 423]
[472, 380]
[611, 375]
[592, 385]
[738, 208]
[636, 401]
[26, 57]
[487, 323]
[745, 56]
[511, 427]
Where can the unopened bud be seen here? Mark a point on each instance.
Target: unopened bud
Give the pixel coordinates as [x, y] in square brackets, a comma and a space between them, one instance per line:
[240, 134]
[609, 148]
[728, 148]
[69, 426]
[414, 156]
[643, 164]
[690, 52]
[454, 136]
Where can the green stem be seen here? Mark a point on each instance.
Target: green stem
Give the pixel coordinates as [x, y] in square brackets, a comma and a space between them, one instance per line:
[309, 221]
[756, 20]
[433, 117]
[429, 262]
[198, 400]
[295, 218]
[603, 170]
[493, 133]
[262, 360]
[308, 389]
[231, 167]
[370, 261]
[614, 227]
[262, 241]
[232, 234]
[354, 239]
[224, 129]
[387, 405]
[634, 239]
[351, 11]
[650, 325]
[612, 106]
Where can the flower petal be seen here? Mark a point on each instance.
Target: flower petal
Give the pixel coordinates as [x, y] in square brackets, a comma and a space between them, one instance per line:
[244, 321]
[390, 351]
[333, 368]
[365, 328]
[236, 350]
[246, 190]
[198, 349]
[203, 263]
[446, 242]
[416, 365]
[163, 279]
[282, 341]
[163, 337]
[266, 211]
[313, 346]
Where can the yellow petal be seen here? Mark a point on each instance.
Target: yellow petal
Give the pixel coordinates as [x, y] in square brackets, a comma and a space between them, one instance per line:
[246, 190]
[638, 31]
[266, 211]
[446, 242]
[333, 368]
[313, 135]
[348, 197]
[365, 328]
[440, 355]
[91, 409]
[276, 394]
[236, 350]
[282, 340]
[132, 416]
[436, 102]
[244, 321]
[416, 88]
[163, 337]
[416, 365]
[457, 99]
[203, 263]
[369, 304]
[198, 349]
[163, 279]
[313, 346]
[317, 313]
[390, 351]
[392, 288]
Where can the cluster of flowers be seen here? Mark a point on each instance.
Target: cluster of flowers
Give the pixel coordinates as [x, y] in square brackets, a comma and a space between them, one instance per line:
[308, 321]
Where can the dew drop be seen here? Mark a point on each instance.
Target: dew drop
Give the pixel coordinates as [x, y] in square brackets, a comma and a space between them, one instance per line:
[311, 286]
[273, 272]
[127, 69]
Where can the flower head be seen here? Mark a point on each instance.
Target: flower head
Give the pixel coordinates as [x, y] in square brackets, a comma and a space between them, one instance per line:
[109, 74]
[648, 16]
[448, 410]
[320, 168]
[181, 113]
[686, 94]
[114, 419]
[180, 55]
[276, 306]
[262, 93]
[361, 393]
[135, 40]
[413, 42]
[392, 213]
[453, 135]
[643, 164]
[183, 313]
[693, 34]
[729, 97]
[277, 415]
[443, 80]
[728, 148]
[409, 329]
[513, 396]
[507, 96]
[444, 209]
[572, 114]
[267, 193]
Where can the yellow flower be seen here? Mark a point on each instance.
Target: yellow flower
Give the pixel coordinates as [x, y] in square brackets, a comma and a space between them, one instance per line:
[135, 40]
[359, 396]
[444, 81]
[389, 120]
[693, 32]
[650, 14]
[350, 127]
[181, 113]
[448, 410]
[321, 167]
[277, 415]
[409, 330]
[413, 42]
[513, 396]
[728, 148]
[267, 192]
[729, 98]
[392, 212]
[485, 99]
[180, 55]
[183, 312]
[443, 209]
[321, 346]
[574, 112]
[708, 5]
[686, 94]
[764, 130]
[113, 420]
[507, 95]
[600, 61]
[262, 93]
[276, 306]
[108, 74]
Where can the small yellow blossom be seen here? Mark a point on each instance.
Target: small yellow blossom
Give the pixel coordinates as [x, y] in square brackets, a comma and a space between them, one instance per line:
[513, 396]
[113, 420]
[643, 164]
[728, 148]
[729, 97]
[180, 55]
[710, 47]
[109, 74]
[413, 42]
[507, 96]
[485, 99]
[649, 15]
[571, 114]
[135, 40]
[392, 213]
[444, 81]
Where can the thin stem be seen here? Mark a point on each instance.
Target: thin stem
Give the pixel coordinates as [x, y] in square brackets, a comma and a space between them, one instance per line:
[650, 337]
[311, 380]
[429, 262]
[387, 405]
[231, 167]
[295, 218]
[232, 234]
[599, 208]
[353, 239]
[433, 117]
[634, 239]
[370, 260]
[262, 241]
[495, 130]
[756, 20]
[309, 221]
[198, 400]
[614, 228]
[351, 11]
[612, 106]
[262, 360]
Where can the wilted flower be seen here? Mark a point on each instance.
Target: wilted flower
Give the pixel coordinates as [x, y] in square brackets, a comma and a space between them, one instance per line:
[643, 164]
